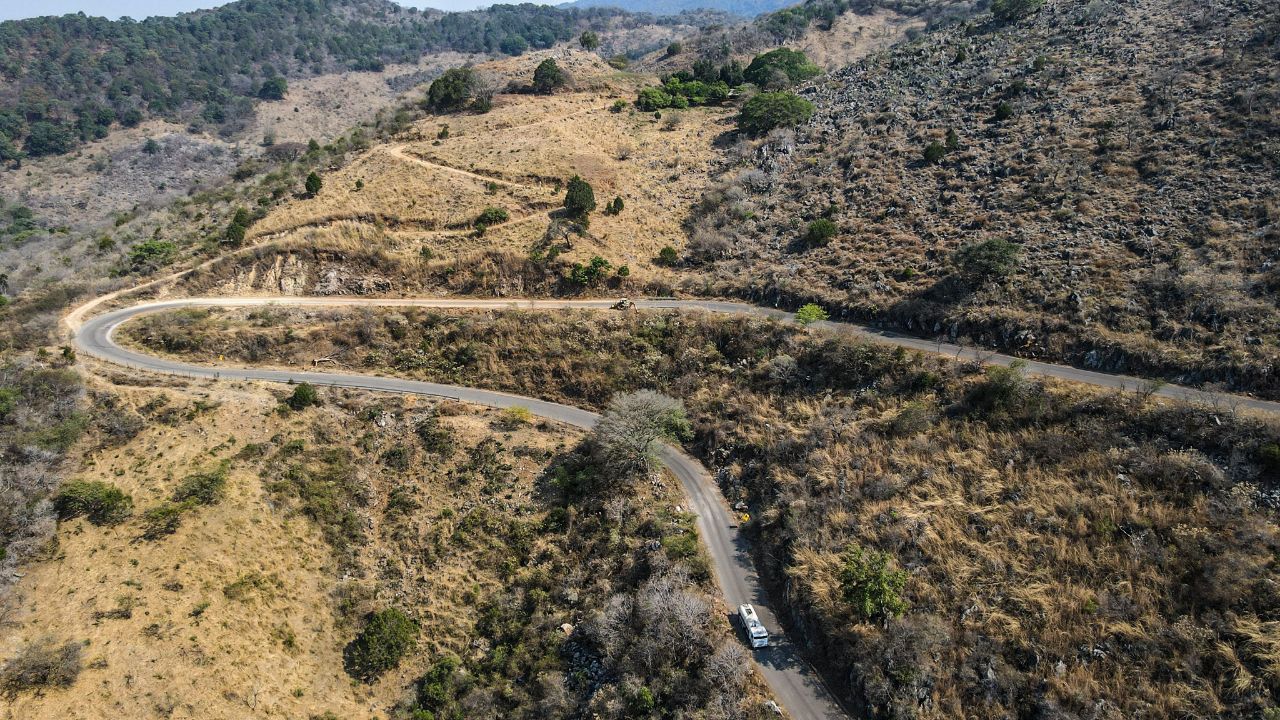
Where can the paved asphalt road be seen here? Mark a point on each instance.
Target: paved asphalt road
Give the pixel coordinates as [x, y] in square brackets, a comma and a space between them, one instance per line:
[795, 685]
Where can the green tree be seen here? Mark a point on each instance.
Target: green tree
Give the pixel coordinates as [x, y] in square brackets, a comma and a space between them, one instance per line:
[868, 587]
[273, 89]
[589, 40]
[779, 68]
[978, 263]
[770, 110]
[810, 314]
[103, 503]
[304, 396]
[674, 49]
[580, 198]
[151, 254]
[548, 77]
[314, 183]
[667, 256]
[591, 274]
[933, 152]
[953, 140]
[452, 90]
[388, 636]
[732, 73]
[1009, 10]
[46, 138]
[820, 232]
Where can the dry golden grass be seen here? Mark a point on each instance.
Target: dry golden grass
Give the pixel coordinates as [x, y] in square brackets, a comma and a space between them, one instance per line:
[191, 649]
[426, 190]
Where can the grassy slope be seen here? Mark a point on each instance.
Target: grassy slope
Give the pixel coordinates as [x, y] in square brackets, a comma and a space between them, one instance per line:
[1069, 553]
[1136, 172]
[329, 513]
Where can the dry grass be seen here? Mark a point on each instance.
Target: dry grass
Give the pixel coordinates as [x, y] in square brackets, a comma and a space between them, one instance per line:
[1070, 549]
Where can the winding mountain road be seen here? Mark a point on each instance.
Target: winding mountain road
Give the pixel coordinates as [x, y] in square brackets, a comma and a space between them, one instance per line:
[795, 685]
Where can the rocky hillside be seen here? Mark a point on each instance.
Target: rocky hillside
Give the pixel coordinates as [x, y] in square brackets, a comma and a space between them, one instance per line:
[1120, 157]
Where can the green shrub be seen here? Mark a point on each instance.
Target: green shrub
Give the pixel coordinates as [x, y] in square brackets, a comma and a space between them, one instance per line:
[810, 313]
[303, 397]
[618, 106]
[203, 488]
[977, 263]
[820, 232]
[580, 198]
[1269, 456]
[548, 77]
[589, 41]
[387, 636]
[770, 110]
[781, 67]
[492, 216]
[313, 184]
[1004, 110]
[162, 520]
[667, 256]
[151, 254]
[451, 91]
[933, 152]
[435, 437]
[1007, 10]
[103, 503]
[591, 274]
[868, 587]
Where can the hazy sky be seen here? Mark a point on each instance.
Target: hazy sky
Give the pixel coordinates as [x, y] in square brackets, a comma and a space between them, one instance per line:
[139, 9]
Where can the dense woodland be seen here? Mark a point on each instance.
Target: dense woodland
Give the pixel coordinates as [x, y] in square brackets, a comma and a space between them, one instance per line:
[66, 80]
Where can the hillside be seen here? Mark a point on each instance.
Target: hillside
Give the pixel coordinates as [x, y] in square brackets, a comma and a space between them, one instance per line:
[1120, 157]
[72, 79]
[250, 543]
[743, 8]
[949, 540]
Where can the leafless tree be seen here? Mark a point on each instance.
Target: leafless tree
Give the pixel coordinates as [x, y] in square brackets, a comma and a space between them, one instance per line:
[626, 438]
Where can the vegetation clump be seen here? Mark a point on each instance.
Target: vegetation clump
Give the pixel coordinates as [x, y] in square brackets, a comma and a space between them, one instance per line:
[203, 488]
[867, 585]
[819, 232]
[102, 503]
[548, 77]
[580, 199]
[770, 110]
[304, 396]
[41, 664]
[780, 68]
[388, 636]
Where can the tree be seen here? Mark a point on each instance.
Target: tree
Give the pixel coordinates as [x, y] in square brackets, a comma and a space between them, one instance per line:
[151, 254]
[492, 216]
[580, 199]
[732, 73]
[781, 67]
[273, 89]
[770, 110]
[667, 256]
[303, 397]
[820, 232]
[451, 91]
[626, 438]
[1010, 10]
[313, 184]
[589, 40]
[978, 263]
[388, 635]
[810, 314]
[867, 585]
[674, 49]
[547, 77]
[933, 152]
[46, 138]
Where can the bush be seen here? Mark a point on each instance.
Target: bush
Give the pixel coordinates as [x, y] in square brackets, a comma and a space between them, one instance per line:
[103, 503]
[820, 232]
[46, 138]
[779, 68]
[580, 199]
[41, 664]
[667, 256]
[387, 636]
[977, 263]
[591, 274]
[162, 520]
[1004, 110]
[933, 152]
[435, 437]
[548, 77]
[770, 110]
[653, 98]
[303, 397]
[203, 488]
[151, 254]
[451, 91]
[492, 216]
[589, 40]
[313, 184]
[273, 89]
[618, 106]
[1008, 10]
[867, 585]
[810, 313]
